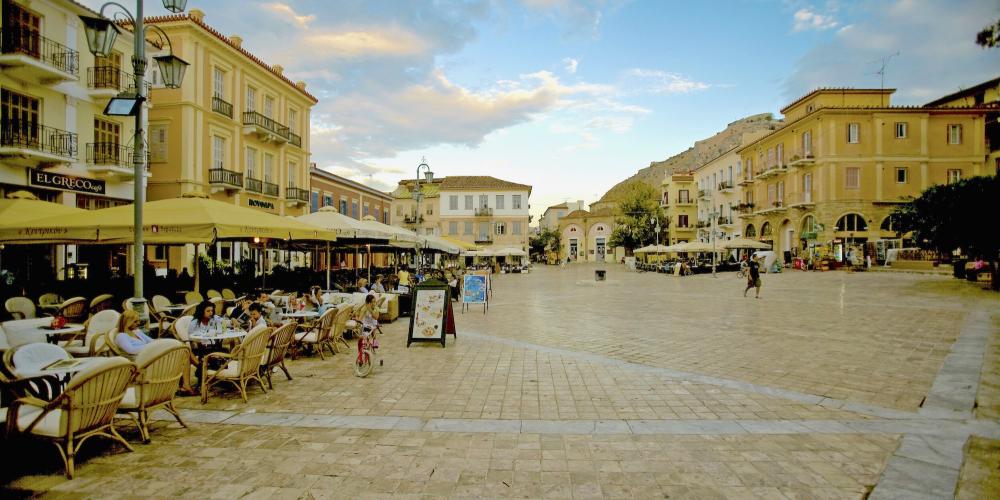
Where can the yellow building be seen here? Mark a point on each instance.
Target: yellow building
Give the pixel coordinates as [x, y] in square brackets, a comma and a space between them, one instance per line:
[719, 192]
[679, 207]
[237, 128]
[986, 93]
[844, 160]
[585, 235]
[55, 141]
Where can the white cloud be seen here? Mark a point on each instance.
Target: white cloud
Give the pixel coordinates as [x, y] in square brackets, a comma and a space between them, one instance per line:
[653, 81]
[570, 64]
[371, 42]
[807, 19]
[285, 11]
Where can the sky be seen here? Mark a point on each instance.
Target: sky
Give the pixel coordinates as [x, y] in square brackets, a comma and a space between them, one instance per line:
[573, 96]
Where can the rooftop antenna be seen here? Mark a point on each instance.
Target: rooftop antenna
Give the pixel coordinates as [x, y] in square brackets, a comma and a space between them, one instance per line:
[881, 73]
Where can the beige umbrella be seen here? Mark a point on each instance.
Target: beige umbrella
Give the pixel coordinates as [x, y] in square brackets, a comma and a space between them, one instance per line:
[696, 247]
[737, 243]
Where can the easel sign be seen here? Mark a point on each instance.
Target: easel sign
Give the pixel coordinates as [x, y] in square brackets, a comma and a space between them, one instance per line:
[427, 321]
[489, 279]
[475, 290]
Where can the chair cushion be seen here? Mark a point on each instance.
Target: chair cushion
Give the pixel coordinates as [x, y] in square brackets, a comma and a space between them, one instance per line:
[51, 425]
[231, 370]
[310, 336]
[351, 324]
[78, 350]
[129, 402]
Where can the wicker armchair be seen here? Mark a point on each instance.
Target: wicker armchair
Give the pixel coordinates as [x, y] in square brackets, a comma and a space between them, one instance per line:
[20, 308]
[86, 408]
[242, 365]
[277, 348]
[193, 298]
[74, 310]
[161, 366]
[228, 294]
[95, 341]
[344, 314]
[319, 335]
[101, 302]
[49, 300]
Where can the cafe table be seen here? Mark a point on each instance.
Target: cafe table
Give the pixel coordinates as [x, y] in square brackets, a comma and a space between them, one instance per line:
[300, 314]
[64, 369]
[215, 336]
[27, 331]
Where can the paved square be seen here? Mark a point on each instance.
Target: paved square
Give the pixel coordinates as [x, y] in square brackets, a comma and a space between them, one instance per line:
[645, 386]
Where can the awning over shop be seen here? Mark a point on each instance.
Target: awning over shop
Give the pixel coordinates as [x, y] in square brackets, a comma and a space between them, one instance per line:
[21, 207]
[346, 227]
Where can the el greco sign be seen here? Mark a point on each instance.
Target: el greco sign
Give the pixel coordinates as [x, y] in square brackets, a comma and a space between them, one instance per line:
[65, 182]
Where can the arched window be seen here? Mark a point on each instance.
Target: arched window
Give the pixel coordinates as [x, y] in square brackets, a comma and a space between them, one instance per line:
[889, 224]
[852, 222]
[808, 224]
[765, 229]
[750, 232]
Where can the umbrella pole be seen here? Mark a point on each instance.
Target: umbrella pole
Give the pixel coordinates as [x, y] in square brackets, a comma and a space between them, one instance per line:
[328, 266]
[197, 269]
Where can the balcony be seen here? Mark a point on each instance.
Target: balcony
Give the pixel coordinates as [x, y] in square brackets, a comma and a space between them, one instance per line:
[265, 128]
[110, 159]
[684, 202]
[254, 185]
[271, 189]
[413, 219]
[703, 193]
[105, 82]
[295, 139]
[228, 180]
[683, 229]
[746, 181]
[725, 221]
[726, 186]
[30, 143]
[484, 212]
[802, 158]
[744, 209]
[772, 170]
[26, 55]
[703, 223]
[801, 201]
[296, 195]
[219, 105]
[484, 239]
[776, 206]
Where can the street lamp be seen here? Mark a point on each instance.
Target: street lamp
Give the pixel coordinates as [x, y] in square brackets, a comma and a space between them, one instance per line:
[418, 196]
[101, 33]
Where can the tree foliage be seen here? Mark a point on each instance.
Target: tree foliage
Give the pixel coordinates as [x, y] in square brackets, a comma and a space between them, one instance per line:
[548, 240]
[952, 216]
[989, 37]
[637, 208]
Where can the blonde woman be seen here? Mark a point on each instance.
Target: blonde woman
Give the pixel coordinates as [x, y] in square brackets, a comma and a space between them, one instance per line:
[129, 337]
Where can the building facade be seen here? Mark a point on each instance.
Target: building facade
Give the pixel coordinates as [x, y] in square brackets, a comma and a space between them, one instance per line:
[585, 236]
[845, 159]
[720, 194]
[550, 218]
[985, 94]
[55, 141]
[350, 198]
[482, 210]
[678, 202]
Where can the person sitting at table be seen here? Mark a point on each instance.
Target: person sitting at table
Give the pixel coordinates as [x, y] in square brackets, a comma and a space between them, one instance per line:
[363, 285]
[204, 319]
[377, 287]
[314, 298]
[256, 314]
[129, 337]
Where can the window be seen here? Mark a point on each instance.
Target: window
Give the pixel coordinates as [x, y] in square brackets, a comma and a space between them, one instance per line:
[954, 134]
[771, 192]
[343, 206]
[484, 201]
[901, 175]
[682, 220]
[781, 154]
[765, 229]
[781, 192]
[901, 129]
[453, 202]
[327, 200]
[269, 106]
[269, 168]
[251, 163]
[385, 216]
[218, 152]
[852, 133]
[515, 227]
[468, 228]
[293, 120]
[218, 82]
[430, 209]
[157, 143]
[852, 177]
[852, 222]
[429, 231]
[770, 157]
[500, 228]
[683, 196]
[750, 231]
[453, 227]
[293, 174]
[807, 188]
[515, 202]
[315, 201]
[954, 175]
[354, 208]
[500, 202]
[468, 202]
[364, 210]
[251, 103]
[807, 143]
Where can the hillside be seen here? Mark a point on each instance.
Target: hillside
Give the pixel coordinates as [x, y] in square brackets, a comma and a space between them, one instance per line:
[702, 151]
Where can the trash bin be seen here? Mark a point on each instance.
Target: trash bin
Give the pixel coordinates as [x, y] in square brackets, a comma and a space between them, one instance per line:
[599, 275]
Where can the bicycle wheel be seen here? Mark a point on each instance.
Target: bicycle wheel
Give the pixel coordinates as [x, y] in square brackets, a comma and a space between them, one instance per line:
[363, 363]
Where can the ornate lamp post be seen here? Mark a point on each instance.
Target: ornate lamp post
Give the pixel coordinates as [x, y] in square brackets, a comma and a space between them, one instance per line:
[418, 196]
[101, 33]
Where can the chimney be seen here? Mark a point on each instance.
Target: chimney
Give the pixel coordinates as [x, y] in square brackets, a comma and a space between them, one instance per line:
[301, 85]
[237, 41]
[196, 14]
[279, 69]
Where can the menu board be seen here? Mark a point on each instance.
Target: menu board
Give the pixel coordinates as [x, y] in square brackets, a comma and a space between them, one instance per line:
[427, 323]
[474, 289]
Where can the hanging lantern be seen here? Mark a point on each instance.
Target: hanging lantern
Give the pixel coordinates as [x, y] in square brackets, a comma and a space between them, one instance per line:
[101, 34]
[171, 70]
[175, 6]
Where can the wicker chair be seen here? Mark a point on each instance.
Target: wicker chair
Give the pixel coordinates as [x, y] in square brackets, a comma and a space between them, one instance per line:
[95, 341]
[179, 328]
[193, 298]
[167, 321]
[344, 313]
[86, 408]
[49, 300]
[228, 294]
[211, 294]
[319, 335]
[243, 364]
[20, 308]
[160, 303]
[277, 348]
[74, 310]
[101, 302]
[161, 365]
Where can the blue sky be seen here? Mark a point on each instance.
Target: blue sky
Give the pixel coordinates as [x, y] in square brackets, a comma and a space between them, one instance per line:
[572, 96]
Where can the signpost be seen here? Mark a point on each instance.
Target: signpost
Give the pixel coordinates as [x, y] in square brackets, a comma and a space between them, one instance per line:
[475, 290]
[432, 317]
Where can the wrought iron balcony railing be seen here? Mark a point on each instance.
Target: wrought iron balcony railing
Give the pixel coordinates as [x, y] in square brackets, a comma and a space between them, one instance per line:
[112, 78]
[32, 135]
[295, 139]
[225, 177]
[109, 153]
[256, 119]
[26, 41]
[297, 194]
[270, 188]
[255, 185]
[219, 105]
[484, 212]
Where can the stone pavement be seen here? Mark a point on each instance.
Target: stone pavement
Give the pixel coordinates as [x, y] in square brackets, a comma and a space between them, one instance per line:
[833, 385]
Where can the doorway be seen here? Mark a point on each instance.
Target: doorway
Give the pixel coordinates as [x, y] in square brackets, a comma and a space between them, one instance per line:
[600, 247]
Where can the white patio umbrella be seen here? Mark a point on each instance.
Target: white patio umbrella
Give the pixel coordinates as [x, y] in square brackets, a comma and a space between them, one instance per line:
[740, 243]
[696, 247]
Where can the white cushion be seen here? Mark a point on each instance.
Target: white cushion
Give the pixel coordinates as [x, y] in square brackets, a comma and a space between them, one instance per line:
[351, 324]
[4, 345]
[231, 370]
[130, 401]
[51, 425]
[310, 336]
[77, 350]
[34, 357]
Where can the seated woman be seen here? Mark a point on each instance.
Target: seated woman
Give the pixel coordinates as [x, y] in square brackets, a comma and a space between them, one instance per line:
[204, 320]
[377, 287]
[363, 285]
[129, 337]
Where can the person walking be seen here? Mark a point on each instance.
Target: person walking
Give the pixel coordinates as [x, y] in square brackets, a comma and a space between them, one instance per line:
[753, 278]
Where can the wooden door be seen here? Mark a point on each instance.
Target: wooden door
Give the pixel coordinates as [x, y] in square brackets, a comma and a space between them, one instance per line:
[106, 142]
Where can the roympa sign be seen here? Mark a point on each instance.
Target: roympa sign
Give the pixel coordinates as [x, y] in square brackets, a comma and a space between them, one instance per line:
[65, 182]
[260, 204]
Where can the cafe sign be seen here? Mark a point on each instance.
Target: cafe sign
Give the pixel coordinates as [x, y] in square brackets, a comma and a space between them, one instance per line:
[267, 205]
[52, 180]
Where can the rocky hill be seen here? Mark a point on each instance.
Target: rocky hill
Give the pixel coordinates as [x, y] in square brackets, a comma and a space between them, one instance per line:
[702, 152]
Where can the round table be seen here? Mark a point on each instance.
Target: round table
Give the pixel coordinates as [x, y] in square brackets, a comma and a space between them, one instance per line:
[300, 314]
[174, 309]
[82, 364]
[216, 336]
